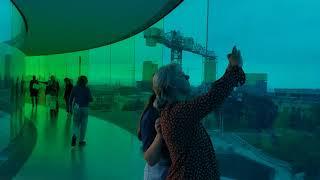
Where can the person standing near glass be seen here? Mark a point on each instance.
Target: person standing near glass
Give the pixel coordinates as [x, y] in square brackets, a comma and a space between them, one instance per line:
[80, 98]
[34, 91]
[67, 93]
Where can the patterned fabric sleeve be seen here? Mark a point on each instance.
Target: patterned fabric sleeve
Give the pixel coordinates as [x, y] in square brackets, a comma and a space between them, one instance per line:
[201, 106]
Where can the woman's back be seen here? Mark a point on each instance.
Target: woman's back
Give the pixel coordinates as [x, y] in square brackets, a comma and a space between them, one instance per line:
[189, 144]
[52, 88]
[81, 96]
[68, 90]
[191, 147]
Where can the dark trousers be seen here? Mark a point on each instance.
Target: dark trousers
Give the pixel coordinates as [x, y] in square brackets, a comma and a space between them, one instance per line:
[34, 100]
[68, 106]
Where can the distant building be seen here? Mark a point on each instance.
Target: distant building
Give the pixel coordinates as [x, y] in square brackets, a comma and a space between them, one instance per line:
[289, 99]
[256, 83]
[209, 70]
[144, 85]
[310, 95]
[149, 68]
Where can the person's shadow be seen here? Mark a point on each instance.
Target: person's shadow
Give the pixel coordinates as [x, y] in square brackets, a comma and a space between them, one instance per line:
[34, 115]
[54, 116]
[78, 163]
[67, 132]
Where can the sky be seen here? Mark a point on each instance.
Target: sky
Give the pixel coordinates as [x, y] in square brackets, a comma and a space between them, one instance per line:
[277, 37]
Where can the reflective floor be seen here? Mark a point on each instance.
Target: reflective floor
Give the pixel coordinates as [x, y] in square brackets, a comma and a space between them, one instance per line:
[111, 152]
[4, 130]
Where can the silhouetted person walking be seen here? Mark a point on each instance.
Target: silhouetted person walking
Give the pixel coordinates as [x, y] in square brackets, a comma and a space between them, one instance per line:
[34, 91]
[67, 93]
[80, 98]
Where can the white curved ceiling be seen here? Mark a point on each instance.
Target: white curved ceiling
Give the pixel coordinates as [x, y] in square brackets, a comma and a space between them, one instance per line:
[61, 26]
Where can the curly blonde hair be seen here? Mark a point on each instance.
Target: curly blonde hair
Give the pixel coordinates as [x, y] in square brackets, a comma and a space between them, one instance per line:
[163, 81]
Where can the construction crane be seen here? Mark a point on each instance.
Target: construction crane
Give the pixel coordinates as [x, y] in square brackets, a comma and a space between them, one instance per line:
[177, 43]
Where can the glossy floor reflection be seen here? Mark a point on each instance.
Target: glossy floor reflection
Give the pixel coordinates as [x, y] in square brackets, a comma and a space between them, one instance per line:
[111, 152]
[4, 130]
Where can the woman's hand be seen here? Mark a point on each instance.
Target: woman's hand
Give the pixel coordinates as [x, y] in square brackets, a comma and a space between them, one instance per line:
[235, 58]
[157, 126]
[153, 153]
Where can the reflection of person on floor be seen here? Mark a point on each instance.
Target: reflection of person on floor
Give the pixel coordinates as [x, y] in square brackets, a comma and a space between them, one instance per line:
[22, 84]
[80, 98]
[46, 92]
[34, 91]
[154, 149]
[189, 144]
[67, 92]
[52, 93]
[17, 87]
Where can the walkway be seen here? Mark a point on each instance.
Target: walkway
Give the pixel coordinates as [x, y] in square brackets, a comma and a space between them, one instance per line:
[111, 153]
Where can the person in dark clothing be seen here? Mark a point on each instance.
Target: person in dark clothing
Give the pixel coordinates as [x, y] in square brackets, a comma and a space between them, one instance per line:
[154, 149]
[52, 94]
[34, 91]
[80, 98]
[67, 92]
[190, 147]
